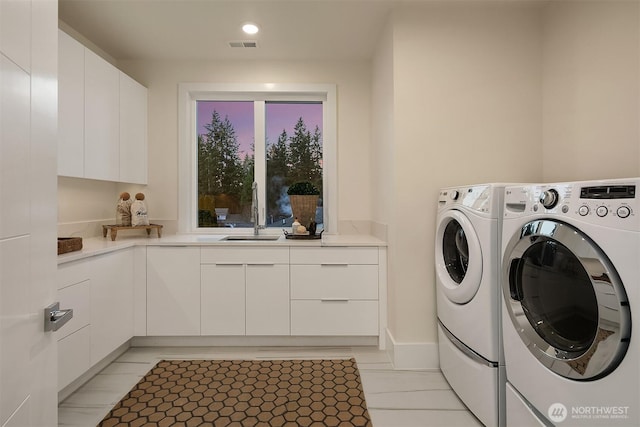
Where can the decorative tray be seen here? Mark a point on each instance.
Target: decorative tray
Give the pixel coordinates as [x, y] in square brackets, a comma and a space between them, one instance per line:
[305, 236]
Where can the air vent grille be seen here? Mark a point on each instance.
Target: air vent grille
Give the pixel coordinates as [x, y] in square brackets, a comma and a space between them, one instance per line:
[243, 44]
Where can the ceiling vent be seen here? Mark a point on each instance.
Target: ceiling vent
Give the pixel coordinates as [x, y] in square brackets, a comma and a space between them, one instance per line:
[244, 43]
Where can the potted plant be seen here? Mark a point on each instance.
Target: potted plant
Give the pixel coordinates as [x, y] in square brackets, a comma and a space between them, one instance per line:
[303, 197]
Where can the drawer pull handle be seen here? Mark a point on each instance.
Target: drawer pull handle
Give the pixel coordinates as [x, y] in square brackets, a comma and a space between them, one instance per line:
[334, 300]
[334, 264]
[262, 264]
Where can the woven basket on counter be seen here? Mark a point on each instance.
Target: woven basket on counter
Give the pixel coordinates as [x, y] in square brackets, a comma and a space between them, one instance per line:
[69, 244]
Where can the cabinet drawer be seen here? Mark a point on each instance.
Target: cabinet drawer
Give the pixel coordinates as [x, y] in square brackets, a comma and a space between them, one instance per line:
[71, 273]
[244, 255]
[74, 356]
[334, 255]
[334, 281]
[315, 317]
[78, 298]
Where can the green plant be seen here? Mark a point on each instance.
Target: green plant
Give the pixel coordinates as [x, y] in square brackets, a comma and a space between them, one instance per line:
[304, 188]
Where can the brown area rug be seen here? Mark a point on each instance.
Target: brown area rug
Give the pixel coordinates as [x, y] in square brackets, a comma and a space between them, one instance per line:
[245, 393]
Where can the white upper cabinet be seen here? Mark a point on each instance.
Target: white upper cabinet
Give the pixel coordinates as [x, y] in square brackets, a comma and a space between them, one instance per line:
[70, 106]
[102, 118]
[133, 131]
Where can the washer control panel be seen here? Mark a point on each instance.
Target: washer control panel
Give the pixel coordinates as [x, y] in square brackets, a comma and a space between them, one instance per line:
[609, 203]
[479, 198]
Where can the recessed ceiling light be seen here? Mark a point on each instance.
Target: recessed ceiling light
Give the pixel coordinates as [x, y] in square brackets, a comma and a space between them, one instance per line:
[250, 28]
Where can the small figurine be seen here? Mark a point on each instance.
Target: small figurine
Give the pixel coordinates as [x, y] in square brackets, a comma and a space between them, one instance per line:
[139, 214]
[312, 227]
[295, 226]
[123, 210]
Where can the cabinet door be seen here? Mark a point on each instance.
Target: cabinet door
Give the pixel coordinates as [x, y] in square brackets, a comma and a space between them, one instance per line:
[334, 317]
[111, 302]
[173, 290]
[70, 106]
[223, 299]
[133, 131]
[101, 119]
[74, 356]
[267, 299]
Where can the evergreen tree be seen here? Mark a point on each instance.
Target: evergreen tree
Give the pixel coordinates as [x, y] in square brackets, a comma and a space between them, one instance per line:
[300, 153]
[316, 156]
[221, 162]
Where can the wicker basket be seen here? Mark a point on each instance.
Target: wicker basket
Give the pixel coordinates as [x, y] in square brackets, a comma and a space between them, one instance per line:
[69, 244]
[304, 207]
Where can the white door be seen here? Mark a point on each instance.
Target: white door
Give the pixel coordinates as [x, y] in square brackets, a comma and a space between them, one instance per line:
[28, 123]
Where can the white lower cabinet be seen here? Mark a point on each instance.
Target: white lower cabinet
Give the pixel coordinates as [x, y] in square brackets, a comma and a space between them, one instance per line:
[173, 290]
[329, 317]
[99, 289]
[74, 356]
[334, 291]
[267, 300]
[263, 291]
[222, 299]
[245, 291]
[111, 302]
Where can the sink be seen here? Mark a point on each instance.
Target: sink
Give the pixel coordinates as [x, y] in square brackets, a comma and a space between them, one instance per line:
[238, 237]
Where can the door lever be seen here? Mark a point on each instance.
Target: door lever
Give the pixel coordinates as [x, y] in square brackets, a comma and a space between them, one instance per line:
[54, 318]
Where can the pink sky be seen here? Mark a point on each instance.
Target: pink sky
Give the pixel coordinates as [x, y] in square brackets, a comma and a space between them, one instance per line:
[279, 117]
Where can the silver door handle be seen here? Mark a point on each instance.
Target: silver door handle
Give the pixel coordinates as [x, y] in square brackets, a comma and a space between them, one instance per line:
[54, 318]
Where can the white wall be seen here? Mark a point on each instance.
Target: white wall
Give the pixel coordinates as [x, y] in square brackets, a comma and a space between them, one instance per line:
[466, 109]
[591, 90]
[382, 152]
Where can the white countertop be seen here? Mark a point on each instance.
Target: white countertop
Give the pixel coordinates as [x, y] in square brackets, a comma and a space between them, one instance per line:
[101, 245]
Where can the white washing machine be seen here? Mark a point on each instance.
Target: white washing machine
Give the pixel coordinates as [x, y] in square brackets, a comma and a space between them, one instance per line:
[570, 279]
[467, 260]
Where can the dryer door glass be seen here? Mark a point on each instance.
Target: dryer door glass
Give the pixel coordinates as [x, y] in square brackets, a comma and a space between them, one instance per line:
[565, 300]
[455, 251]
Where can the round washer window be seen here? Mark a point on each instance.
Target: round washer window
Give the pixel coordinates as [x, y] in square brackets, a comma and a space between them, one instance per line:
[455, 251]
[458, 256]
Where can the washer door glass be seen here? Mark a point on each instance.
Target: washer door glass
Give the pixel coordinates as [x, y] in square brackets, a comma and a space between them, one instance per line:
[566, 300]
[455, 250]
[458, 257]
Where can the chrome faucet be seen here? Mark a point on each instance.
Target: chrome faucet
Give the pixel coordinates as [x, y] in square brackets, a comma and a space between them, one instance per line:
[254, 208]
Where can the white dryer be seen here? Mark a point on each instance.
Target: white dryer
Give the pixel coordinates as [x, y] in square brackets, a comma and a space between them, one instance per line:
[571, 267]
[468, 294]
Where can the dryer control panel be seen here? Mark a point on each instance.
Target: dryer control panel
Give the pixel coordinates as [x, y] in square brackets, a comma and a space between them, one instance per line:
[611, 203]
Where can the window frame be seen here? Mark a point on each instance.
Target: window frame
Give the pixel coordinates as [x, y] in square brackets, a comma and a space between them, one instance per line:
[189, 93]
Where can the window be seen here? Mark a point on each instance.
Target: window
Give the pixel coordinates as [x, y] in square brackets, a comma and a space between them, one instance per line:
[234, 135]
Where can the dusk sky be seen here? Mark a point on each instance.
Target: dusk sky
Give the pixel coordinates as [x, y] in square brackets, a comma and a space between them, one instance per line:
[279, 116]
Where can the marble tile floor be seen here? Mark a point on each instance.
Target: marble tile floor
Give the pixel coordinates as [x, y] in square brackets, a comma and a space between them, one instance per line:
[395, 398]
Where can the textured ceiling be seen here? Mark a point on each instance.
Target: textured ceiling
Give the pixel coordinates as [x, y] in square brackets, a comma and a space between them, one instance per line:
[202, 29]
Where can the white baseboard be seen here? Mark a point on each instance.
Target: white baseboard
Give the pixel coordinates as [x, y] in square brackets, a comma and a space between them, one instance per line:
[412, 355]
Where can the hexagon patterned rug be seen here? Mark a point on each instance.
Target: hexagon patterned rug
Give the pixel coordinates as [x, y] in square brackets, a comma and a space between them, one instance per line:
[245, 393]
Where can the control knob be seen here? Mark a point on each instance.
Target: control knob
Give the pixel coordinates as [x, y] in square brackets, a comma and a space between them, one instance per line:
[549, 198]
[623, 212]
[454, 194]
